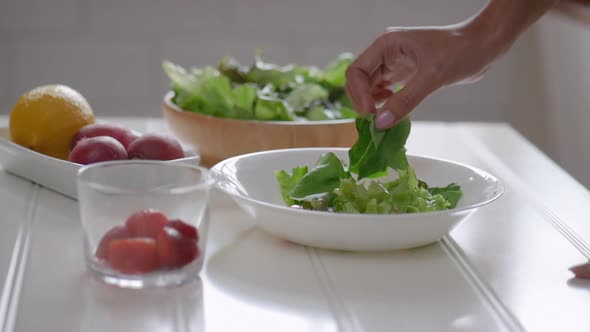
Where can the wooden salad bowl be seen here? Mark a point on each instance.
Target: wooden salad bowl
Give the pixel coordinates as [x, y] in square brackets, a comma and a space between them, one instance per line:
[217, 138]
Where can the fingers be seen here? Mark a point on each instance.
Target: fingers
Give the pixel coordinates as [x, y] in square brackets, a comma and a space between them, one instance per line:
[359, 76]
[581, 271]
[358, 90]
[400, 104]
[381, 95]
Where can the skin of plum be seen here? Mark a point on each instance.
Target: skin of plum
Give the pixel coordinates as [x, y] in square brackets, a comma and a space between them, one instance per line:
[155, 147]
[97, 149]
[123, 135]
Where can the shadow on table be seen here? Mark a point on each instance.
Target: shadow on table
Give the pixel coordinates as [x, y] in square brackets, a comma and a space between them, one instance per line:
[269, 272]
[109, 308]
[579, 283]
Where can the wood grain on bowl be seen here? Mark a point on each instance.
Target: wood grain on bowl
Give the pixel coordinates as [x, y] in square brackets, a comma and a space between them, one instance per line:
[217, 139]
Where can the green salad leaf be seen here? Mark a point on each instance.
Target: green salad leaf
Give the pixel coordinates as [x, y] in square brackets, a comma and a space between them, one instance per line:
[263, 73]
[330, 186]
[347, 112]
[272, 109]
[375, 151]
[302, 96]
[335, 71]
[451, 193]
[288, 181]
[319, 113]
[324, 177]
[231, 68]
[244, 98]
[399, 196]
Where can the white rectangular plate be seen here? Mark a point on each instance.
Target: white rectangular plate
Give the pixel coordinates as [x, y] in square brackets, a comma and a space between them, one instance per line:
[52, 173]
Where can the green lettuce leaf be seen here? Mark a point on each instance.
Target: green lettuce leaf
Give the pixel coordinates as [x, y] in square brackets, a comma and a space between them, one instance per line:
[321, 179]
[328, 186]
[402, 195]
[320, 113]
[244, 97]
[286, 93]
[375, 150]
[263, 73]
[232, 69]
[288, 181]
[346, 113]
[451, 193]
[268, 108]
[408, 196]
[363, 147]
[306, 74]
[182, 81]
[335, 71]
[303, 95]
[205, 91]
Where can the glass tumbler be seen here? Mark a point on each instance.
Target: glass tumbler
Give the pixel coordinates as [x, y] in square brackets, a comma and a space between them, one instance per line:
[144, 222]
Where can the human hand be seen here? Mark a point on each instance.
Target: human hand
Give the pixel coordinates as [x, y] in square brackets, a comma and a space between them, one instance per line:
[581, 271]
[423, 60]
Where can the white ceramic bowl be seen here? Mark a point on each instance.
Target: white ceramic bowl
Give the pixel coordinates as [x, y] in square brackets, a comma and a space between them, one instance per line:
[249, 179]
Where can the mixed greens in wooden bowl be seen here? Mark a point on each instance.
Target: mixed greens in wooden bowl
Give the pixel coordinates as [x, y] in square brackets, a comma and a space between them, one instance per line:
[263, 91]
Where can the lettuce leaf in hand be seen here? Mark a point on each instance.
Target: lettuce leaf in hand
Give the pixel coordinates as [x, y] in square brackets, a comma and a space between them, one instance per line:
[375, 151]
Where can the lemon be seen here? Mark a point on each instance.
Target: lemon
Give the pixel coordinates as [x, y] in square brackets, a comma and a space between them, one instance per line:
[47, 118]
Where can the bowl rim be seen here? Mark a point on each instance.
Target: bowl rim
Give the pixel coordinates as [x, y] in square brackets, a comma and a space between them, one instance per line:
[368, 217]
[169, 105]
[82, 174]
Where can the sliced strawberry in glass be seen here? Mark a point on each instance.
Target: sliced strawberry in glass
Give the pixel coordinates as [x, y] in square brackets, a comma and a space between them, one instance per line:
[174, 249]
[185, 229]
[146, 223]
[115, 233]
[133, 256]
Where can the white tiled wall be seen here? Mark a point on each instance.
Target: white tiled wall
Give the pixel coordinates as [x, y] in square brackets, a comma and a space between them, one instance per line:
[111, 51]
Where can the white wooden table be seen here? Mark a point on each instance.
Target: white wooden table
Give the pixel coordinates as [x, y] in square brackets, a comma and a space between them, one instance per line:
[505, 269]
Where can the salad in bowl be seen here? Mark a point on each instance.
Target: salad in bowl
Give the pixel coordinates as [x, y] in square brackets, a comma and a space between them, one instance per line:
[331, 186]
[373, 196]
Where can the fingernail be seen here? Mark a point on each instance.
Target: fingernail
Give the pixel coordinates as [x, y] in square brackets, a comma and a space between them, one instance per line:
[581, 271]
[384, 120]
